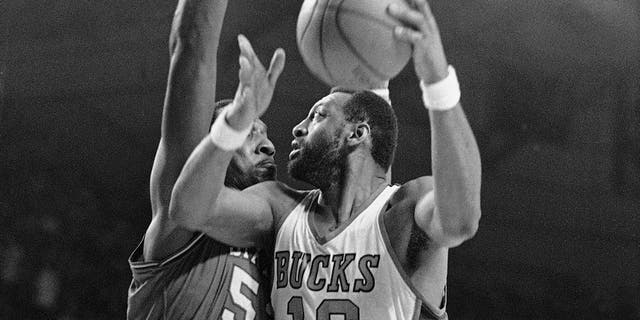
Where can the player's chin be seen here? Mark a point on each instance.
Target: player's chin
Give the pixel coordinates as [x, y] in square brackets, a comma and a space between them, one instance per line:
[295, 168]
[266, 172]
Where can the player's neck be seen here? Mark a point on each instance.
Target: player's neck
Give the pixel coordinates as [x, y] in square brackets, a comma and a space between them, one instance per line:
[362, 182]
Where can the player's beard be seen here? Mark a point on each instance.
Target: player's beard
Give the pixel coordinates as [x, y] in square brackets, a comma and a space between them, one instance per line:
[320, 164]
[241, 179]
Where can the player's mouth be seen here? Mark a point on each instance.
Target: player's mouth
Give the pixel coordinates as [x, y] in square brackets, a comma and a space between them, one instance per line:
[296, 150]
[294, 154]
[266, 163]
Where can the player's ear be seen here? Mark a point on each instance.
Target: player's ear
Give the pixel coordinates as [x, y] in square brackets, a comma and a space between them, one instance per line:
[359, 132]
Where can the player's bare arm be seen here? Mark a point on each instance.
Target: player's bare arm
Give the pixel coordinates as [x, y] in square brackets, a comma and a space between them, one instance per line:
[189, 98]
[449, 215]
[200, 201]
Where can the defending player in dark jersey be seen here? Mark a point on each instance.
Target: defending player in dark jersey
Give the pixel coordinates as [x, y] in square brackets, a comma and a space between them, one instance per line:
[179, 273]
[356, 247]
[207, 279]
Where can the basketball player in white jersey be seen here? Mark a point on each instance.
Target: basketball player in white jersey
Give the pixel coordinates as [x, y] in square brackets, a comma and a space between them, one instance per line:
[355, 247]
[180, 273]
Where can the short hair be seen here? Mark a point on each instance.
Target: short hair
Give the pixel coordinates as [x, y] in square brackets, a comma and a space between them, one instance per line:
[367, 106]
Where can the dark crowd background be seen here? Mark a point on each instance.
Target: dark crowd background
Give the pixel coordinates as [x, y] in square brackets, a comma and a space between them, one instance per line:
[551, 88]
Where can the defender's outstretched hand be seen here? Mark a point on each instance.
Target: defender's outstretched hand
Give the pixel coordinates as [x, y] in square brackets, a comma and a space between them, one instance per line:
[256, 86]
[420, 29]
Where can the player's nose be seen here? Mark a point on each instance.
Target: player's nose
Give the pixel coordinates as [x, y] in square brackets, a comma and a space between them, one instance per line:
[266, 147]
[299, 130]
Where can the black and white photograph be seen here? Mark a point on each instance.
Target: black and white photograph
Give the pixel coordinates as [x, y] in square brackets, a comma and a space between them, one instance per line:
[320, 159]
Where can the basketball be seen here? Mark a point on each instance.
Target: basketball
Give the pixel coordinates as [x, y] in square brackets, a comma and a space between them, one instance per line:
[350, 43]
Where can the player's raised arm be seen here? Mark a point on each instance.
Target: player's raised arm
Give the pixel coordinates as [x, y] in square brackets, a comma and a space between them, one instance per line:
[200, 201]
[190, 95]
[451, 213]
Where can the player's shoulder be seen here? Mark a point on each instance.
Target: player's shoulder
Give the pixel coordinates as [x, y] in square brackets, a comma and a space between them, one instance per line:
[413, 190]
[404, 200]
[277, 191]
[164, 237]
[280, 196]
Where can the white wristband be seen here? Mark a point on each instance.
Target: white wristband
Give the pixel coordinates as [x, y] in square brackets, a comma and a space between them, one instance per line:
[225, 137]
[382, 93]
[442, 95]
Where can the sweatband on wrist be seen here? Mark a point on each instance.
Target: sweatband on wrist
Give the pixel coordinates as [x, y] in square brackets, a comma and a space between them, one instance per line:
[382, 93]
[224, 136]
[442, 95]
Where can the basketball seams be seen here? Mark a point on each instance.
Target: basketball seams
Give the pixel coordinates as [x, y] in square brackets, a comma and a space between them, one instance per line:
[306, 27]
[363, 15]
[348, 43]
[306, 36]
[321, 43]
[354, 47]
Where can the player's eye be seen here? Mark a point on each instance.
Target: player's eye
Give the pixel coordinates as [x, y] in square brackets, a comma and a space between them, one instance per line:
[253, 132]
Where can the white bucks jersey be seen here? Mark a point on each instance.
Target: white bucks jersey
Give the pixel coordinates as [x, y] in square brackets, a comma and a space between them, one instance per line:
[354, 275]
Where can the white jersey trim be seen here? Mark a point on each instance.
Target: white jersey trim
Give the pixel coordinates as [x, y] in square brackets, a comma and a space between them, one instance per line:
[307, 200]
[436, 312]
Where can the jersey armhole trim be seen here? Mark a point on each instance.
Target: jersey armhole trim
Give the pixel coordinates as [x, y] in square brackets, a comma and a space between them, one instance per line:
[312, 195]
[435, 312]
[143, 265]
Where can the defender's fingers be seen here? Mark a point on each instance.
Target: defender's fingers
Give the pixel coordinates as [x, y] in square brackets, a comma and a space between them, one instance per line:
[276, 66]
[247, 50]
[407, 34]
[248, 98]
[406, 15]
[245, 74]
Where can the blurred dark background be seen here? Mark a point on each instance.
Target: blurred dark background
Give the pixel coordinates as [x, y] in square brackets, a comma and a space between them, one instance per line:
[551, 88]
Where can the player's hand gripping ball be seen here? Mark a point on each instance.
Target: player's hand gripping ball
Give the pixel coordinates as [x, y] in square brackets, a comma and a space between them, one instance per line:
[350, 43]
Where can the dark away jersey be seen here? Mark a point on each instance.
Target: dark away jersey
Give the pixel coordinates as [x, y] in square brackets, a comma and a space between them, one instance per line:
[204, 280]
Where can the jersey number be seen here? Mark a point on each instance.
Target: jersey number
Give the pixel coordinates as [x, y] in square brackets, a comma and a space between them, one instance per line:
[238, 279]
[325, 310]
